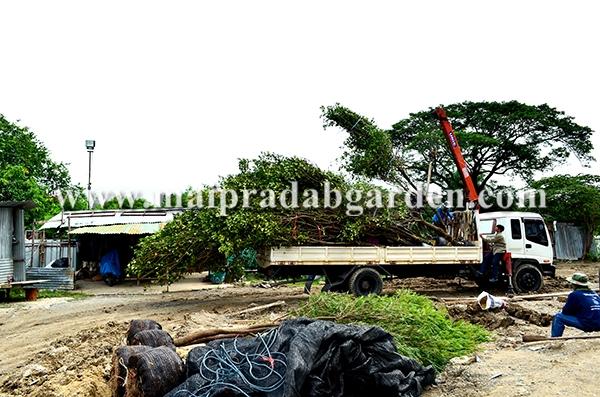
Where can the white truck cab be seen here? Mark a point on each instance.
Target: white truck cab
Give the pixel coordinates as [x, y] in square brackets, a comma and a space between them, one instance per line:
[528, 240]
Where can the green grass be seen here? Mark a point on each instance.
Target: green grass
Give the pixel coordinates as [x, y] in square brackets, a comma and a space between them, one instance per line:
[18, 294]
[419, 329]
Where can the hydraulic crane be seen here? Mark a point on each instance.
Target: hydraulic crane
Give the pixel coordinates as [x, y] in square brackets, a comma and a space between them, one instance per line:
[469, 186]
[459, 160]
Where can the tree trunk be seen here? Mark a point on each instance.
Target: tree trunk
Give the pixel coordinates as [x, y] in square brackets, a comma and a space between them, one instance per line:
[588, 240]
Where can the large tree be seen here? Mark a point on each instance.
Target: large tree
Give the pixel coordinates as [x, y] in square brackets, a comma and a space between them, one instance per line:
[573, 199]
[27, 172]
[497, 138]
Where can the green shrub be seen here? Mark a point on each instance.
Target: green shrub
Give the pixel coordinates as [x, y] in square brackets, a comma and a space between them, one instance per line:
[419, 329]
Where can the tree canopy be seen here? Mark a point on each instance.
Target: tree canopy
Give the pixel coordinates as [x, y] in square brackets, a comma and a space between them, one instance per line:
[27, 172]
[573, 199]
[497, 138]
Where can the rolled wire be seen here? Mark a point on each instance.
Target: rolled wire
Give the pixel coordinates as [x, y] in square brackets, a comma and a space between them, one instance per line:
[219, 367]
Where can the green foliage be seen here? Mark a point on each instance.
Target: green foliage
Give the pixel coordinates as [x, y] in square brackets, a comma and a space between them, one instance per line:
[573, 199]
[27, 172]
[371, 151]
[419, 329]
[497, 138]
[17, 184]
[593, 256]
[201, 238]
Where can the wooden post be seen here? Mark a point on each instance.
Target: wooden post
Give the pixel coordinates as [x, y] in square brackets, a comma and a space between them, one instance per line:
[69, 243]
[32, 243]
[42, 250]
[31, 294]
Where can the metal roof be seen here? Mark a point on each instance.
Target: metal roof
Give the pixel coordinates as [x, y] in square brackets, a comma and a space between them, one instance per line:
[18, 204]
[110, 217]
[132, 228]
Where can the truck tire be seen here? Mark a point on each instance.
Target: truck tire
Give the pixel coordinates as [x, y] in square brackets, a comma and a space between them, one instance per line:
[527, 278]
[365, 281]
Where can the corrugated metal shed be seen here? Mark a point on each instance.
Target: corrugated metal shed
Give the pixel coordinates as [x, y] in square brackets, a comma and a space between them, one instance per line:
[6, 233]
[6, 270]
[568, 241]
[111, 217]
[133, 228]
[19, 245]
[58, 278]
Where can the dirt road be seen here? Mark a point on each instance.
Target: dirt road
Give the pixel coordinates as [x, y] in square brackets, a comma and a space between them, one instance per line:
[62, 347]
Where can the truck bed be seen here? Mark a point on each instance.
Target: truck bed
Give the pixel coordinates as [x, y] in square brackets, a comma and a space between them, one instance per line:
[340, 256]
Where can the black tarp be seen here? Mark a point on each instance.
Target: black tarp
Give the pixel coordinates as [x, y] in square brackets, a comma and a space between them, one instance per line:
[304, 357]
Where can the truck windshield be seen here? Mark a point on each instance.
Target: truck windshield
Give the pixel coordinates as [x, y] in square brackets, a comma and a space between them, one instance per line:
[535, 231]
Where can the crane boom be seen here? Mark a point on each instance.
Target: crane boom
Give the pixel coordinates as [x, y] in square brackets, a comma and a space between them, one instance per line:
[456, 152]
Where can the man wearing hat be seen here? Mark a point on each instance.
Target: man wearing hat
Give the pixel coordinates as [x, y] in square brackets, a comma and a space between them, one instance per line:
[582, 309]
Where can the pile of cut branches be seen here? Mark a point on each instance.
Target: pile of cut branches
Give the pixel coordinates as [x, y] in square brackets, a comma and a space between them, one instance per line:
[204, 238]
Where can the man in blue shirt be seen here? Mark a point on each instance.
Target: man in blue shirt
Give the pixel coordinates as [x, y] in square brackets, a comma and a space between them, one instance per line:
[582, 309]
[442, 215]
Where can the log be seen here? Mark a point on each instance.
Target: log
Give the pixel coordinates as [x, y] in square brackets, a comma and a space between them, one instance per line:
[228, 336]
[513, 299]
[539, 338]
[210, 334]
[259, 308]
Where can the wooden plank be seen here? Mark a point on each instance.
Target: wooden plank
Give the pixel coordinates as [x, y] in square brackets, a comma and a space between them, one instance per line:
[259, 308]
[539, 338]
[22, 283]
[30, 282]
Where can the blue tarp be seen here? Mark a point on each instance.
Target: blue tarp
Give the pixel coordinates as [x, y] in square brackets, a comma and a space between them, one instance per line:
[110, 265]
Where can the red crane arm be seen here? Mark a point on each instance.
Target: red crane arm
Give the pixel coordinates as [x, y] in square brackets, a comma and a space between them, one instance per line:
[459, 160]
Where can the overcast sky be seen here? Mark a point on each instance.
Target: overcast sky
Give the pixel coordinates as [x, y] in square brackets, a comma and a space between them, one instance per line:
[175, 92]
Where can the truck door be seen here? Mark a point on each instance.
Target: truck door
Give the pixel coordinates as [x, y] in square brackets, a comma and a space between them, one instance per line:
[514, 236]
[537, 242]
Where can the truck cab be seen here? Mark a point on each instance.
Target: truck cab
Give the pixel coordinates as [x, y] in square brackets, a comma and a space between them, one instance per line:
[528, 241]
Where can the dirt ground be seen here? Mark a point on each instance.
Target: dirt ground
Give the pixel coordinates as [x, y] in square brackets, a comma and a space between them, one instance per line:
[62, 347]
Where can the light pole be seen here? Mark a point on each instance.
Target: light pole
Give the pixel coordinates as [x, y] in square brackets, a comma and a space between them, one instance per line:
[90, 145]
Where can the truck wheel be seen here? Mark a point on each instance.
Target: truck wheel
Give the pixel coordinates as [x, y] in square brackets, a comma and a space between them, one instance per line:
[365, 281]
[528, 278]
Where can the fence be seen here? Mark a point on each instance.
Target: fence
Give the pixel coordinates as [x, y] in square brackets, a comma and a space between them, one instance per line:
[568, 241]
[41, 253]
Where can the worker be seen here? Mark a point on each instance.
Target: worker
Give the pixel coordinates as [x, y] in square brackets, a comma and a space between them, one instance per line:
[442, 215]
[498, 250]
[582, 309]
[309, 282]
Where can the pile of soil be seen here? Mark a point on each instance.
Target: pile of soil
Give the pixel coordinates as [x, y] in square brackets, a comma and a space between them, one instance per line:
[76, 366]
[498, 318]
